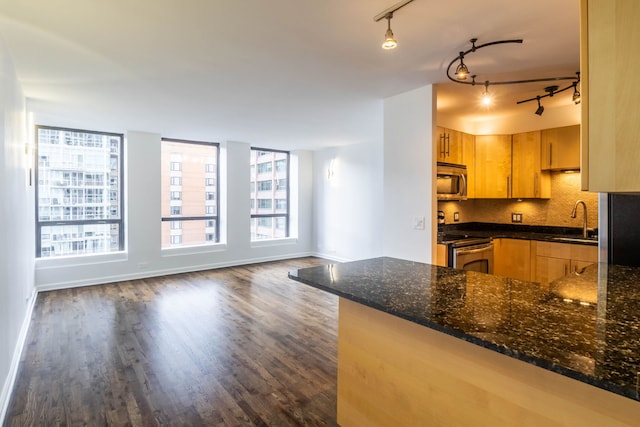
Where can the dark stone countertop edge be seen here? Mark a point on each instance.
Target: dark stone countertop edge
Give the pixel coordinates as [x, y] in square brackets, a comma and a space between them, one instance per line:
[552, 234]
[519, 355]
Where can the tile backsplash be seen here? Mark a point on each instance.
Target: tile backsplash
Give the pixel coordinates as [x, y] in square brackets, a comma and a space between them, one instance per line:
[556, 211]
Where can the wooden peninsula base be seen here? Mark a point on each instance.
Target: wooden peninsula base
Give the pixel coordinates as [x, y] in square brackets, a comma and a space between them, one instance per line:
[392, 372]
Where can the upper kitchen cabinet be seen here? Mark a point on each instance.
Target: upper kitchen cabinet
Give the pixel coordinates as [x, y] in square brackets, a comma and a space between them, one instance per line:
[610, 60]
[528, 180]
[449, 146]
[469, 159]
[561, 148]
[493, 166]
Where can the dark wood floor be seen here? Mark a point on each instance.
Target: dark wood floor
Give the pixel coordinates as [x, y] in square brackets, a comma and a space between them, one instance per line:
[241, 346]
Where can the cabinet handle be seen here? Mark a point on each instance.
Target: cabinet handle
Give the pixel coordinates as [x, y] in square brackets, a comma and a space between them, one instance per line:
[508, 186]
[550, 154]
[448, 144]
[564, 269]
[535, 184]
[442, 146]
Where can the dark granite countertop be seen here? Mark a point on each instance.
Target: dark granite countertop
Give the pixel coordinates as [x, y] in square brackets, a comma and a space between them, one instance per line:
[585, 327]
[518, 231]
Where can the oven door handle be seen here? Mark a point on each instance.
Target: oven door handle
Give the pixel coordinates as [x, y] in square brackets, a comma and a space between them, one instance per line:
[463, 251]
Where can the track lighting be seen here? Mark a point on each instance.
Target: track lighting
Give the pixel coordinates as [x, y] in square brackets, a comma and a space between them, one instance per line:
[576, 94]
[461, 70]
[486, 98]
[540, 109]
[461, 75]
[389, 41]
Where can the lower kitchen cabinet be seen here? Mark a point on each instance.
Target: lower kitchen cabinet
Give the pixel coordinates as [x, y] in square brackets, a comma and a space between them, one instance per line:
[556, 260]
[512, 258]
[441, 255]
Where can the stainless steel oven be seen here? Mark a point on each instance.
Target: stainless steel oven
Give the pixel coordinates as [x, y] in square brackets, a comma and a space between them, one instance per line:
[468, 253]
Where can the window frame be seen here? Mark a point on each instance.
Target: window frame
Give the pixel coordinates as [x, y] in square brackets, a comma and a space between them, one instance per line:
[206, 217]
[51, 223]
[287, 215]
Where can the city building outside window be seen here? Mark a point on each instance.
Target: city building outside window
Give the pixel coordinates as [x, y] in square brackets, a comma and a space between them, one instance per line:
[269, 194]
[189, 193]
[79, 208]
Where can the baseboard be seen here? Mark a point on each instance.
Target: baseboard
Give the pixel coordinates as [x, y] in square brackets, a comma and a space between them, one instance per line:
[330, 257]
[166, 272]
[5, 396]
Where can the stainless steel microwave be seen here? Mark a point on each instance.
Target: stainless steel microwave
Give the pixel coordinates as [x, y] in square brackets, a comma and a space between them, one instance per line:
[451, 181]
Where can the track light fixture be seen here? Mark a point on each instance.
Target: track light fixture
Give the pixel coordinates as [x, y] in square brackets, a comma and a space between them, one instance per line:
[540, 109]
[486, 98]
[577, 98]
[462, 72]
[389, 40]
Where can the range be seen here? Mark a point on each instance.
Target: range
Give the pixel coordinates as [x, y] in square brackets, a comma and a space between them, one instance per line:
[468, 252]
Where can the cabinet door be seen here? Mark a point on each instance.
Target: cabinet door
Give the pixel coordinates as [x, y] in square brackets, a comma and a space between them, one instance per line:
[468, 159]
[549, 269]
[610, 89]
[561, 148]
[441, 255]
[449, 147]
[512, 258]
[493, 166]
[528, 179]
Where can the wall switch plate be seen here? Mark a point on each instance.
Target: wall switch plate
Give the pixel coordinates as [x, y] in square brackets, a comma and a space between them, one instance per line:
[456, 216]
[418, 222]
[516, 217]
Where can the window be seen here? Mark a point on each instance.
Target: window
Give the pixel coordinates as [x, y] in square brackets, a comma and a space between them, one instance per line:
[272, 167]
[195, 220]
[176, 166]
[75, 216]
[264, 185]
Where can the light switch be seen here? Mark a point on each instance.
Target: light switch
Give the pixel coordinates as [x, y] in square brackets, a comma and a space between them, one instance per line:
[418, 223]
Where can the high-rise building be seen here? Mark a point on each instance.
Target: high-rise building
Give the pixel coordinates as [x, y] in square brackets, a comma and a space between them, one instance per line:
[269, 194]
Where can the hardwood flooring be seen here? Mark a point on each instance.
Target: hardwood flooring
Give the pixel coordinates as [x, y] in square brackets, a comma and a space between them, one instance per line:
[241, 346]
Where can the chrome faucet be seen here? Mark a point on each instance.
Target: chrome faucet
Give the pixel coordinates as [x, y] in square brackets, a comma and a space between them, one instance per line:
[585, 232]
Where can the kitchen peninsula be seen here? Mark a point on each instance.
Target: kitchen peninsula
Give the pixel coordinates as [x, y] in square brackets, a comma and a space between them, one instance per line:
[427, 345]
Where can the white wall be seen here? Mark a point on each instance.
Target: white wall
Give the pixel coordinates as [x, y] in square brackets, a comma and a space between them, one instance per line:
[17, 234]
[408, 174]
[144, 258]
[348, 206]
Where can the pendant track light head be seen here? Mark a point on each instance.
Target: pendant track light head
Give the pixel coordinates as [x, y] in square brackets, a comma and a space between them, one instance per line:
[540, 109]
[577, 98]
[462, 72]
[389, 41]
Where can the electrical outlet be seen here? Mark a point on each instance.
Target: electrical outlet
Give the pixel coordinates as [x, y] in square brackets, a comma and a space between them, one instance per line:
[516, 217]
[456, 216]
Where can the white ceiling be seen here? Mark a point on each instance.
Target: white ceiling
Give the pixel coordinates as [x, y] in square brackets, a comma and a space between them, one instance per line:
[280, 73]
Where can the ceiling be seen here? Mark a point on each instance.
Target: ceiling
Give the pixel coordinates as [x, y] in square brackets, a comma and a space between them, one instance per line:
[295, 74]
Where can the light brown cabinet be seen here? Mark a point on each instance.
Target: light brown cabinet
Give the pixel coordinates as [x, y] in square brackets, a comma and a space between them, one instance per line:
[441, 255]
[528, 180]
[610, 58]
[469, 159]
[493, 166]
[556, 260]
[512, 258]
[449, 148]
[560, 148]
